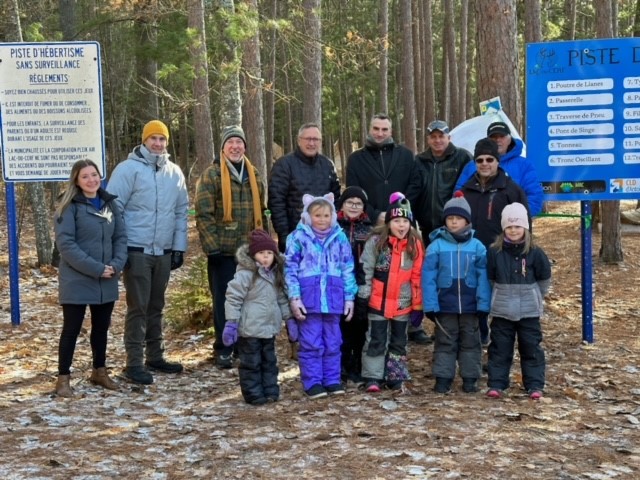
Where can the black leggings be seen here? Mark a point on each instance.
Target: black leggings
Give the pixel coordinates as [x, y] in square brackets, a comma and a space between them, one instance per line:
[73, 317]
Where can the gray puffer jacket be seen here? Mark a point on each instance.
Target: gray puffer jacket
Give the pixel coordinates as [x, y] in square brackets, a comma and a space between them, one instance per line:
[88, 240]
[152, 193]
[520, 281]
[254, 300]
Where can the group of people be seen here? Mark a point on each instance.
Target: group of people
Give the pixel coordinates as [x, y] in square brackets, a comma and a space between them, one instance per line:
[352, 274]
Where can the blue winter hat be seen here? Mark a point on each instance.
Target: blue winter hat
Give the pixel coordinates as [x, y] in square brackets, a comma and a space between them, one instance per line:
[459, 206]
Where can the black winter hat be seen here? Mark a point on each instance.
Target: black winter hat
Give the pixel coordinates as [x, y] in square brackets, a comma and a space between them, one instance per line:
[353, 192]
[486, 146]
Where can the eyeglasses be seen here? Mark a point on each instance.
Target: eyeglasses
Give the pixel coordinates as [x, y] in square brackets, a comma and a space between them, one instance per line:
[485, 160]
[310, 139]
[354, 204]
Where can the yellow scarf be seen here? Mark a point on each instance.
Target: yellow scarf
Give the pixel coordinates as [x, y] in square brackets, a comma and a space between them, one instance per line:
[225, 178]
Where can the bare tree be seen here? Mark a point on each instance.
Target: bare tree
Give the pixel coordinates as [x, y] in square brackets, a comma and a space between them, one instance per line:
[147, 67]
[463, 68]
[253, 82]
[230, 99]
[452, 61]
[383, 56]
[269, 95]
[406, 74]
[611, 244]
[498, 73]
[570, 15]
[428, 68]
[203, 131]
[312, 64]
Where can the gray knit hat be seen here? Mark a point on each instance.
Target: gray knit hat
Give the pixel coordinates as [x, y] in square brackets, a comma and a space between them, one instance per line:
[458, 205]
[233, 131]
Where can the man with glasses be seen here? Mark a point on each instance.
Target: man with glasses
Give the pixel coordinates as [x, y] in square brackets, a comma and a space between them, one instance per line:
[441, 165]
[488, 191]
[380, 168]
[305, 170]
[519, 168]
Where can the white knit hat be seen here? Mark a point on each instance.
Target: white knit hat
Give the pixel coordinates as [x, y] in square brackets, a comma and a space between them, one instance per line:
[515, 214]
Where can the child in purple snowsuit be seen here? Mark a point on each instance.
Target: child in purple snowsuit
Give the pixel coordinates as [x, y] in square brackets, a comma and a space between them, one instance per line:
[321, 286]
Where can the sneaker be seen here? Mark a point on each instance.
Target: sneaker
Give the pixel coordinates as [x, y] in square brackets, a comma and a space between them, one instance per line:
[336, 389]
[138, 375]
[443, 385]
[535, 394]
[420, 337]
[372, 386]
[494, 393]
[258, 401]
[224, 361]
[163, 366]
[317, 391]
[469, 385]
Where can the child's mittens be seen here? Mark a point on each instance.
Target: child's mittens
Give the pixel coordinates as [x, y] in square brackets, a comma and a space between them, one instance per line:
[348, 310]
[415, 318]
[298, 309]
[230, 333]
[292, 330]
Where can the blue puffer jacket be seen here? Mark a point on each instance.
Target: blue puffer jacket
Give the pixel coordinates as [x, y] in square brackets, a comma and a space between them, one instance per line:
[320, 273]
[520, 169]
[152, 194]
[454, 275]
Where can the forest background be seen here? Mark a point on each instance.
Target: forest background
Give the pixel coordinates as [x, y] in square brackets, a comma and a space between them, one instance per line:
[272, 65]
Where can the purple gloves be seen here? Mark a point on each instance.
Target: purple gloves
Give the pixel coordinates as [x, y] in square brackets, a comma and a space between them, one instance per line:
[230, 333]
[348, 310]
[298, 309]
[415, 318]
[292, 329]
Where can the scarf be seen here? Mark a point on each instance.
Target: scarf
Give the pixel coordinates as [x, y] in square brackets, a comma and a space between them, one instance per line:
[225, 179]
[321, 234]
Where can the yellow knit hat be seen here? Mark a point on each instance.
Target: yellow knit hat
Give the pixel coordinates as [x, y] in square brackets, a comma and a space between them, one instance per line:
[155, 127]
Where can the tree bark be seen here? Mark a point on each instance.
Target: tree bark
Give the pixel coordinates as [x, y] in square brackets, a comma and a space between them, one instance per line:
[611, 235]
[408, 98]
[312, 65]
[230, 99]
[452, 62]
[203, 131]
[462, 65]
[253, 113]
[383, 56]
[497, 50]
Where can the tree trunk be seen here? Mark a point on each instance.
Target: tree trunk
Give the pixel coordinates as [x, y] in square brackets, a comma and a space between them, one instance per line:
[417, 78]
[203, 132]
[383, 56]
[408, 95]
[462, 65]
[428, 68]
[450, 46]
[269, 96]
[611, 236]
[230, 98]
[148, 107]
[497, 50]
[253, 114]
[312, 64]
[570, 15]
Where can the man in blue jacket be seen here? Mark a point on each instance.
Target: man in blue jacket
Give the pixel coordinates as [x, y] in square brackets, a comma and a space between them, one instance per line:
[519, 168]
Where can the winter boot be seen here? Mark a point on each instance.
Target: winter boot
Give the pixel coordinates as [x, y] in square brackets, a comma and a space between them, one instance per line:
[63, 389]
[99, 376]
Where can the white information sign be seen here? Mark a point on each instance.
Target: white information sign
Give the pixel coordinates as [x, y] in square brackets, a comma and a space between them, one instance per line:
[50, 109]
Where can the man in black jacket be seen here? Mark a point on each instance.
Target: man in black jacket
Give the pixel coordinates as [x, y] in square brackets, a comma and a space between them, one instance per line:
[305, 170]
[441, 165]
[381, 168]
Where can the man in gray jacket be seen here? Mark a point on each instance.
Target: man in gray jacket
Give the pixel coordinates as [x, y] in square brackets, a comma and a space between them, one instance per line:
[152, 193]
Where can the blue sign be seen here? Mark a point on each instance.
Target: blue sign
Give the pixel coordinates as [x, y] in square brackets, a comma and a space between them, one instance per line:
[583, 118]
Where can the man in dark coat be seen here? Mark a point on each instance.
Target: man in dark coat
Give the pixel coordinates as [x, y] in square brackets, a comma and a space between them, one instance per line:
[305, 170]
[380, 168]
[441, 165]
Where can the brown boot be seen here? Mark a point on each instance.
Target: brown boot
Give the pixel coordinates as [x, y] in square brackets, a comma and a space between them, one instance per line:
[99, 376]
[63, 389]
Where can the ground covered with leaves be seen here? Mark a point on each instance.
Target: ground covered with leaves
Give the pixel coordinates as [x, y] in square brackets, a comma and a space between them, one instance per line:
[195, 425]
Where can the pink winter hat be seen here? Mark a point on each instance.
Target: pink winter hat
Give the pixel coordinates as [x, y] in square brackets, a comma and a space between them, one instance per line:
[515, 214]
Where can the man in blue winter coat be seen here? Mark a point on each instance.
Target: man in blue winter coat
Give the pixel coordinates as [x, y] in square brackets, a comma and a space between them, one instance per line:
[519, 168]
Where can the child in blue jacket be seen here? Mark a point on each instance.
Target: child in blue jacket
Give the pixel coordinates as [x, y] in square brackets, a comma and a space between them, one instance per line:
[456, 292]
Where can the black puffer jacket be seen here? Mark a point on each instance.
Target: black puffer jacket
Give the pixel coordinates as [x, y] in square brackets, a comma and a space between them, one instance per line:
[381, 171]
[438, 181]
[488, 201]
[291, 177]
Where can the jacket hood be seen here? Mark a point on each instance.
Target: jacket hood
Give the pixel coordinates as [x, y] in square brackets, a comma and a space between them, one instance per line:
[247, 262]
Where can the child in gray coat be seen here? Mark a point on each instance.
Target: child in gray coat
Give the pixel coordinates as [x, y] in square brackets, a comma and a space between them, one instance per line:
[256, 304]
